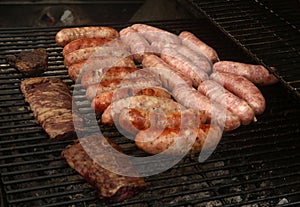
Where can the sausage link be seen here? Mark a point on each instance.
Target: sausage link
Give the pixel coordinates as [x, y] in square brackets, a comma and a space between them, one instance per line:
[191, 41]
[66, 35]
[169, 77]
[133, 120]
[257, 74]
[85, 43]
[216, 113]
[182, 64]
[215, 92]
[104, 99]
[243, 88]
[174, 141]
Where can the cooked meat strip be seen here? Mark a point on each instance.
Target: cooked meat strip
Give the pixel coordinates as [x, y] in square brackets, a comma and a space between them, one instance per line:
[88, 159]
[51, 103]
[31, 63]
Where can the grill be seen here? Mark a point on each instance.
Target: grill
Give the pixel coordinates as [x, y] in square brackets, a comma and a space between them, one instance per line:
[266, 30]
[255, 165]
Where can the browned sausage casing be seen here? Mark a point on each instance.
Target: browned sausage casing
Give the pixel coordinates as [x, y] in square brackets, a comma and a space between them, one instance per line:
[257, 74]
[85, 43]
[176, 141]
[67, 35]
[133, 120]
[104, 99]
[243, 88]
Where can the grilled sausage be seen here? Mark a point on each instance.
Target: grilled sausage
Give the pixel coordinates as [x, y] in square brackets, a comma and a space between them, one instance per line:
[176, 141]
[143, 102]
[257, 74]
[153, 34]
[76, 70]
[214, 91]
[191, 41]
[138, 83]
[139, 46]
[133, 120]
[169, 77]
[105, 74]
[85, 43]
[94, 52]
[216, 113]
[104, 99]
[243, 88]
[182, 64]
[66, 35]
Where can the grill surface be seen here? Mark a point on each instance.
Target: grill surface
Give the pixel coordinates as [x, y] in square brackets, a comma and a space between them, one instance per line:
[267, 30]
[256, 165]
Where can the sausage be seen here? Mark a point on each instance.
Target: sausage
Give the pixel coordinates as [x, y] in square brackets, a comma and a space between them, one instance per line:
[257, 74]
[191, 41]
[139, 46]
[197, 59]
[169, 77]
[105, 74]
[215, 92]
[181, 63]
[144, 102]
[76, 70]
[153, 34]
[216, 113]
[139, 82]
[66, 35]
[243, 88]
[101, 87]
[104, 99]
[133, 120]
[94, 52]
[85, 43]
[174, 141]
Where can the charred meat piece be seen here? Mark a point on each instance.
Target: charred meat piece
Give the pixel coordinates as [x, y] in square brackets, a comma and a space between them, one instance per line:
[90, 158]
[51, 103]
[31, 63]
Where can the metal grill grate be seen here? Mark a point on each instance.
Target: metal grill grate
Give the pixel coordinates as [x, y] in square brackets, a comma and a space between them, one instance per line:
[271, 38]
[256, 165]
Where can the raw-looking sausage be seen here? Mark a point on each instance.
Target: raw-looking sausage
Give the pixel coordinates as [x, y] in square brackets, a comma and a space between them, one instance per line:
[139, 46]
[257, 74]
[181, 63]
[94, 52]
[243, 88]
[216, 113]
[153, 34]
[144, 102]
[76, 70]
[85, 43]
[133, 120]
[105, 74]
[176, 141]
[66, 35]
[214, 91]
[191, 41]
[104, 99]
[169, 77]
